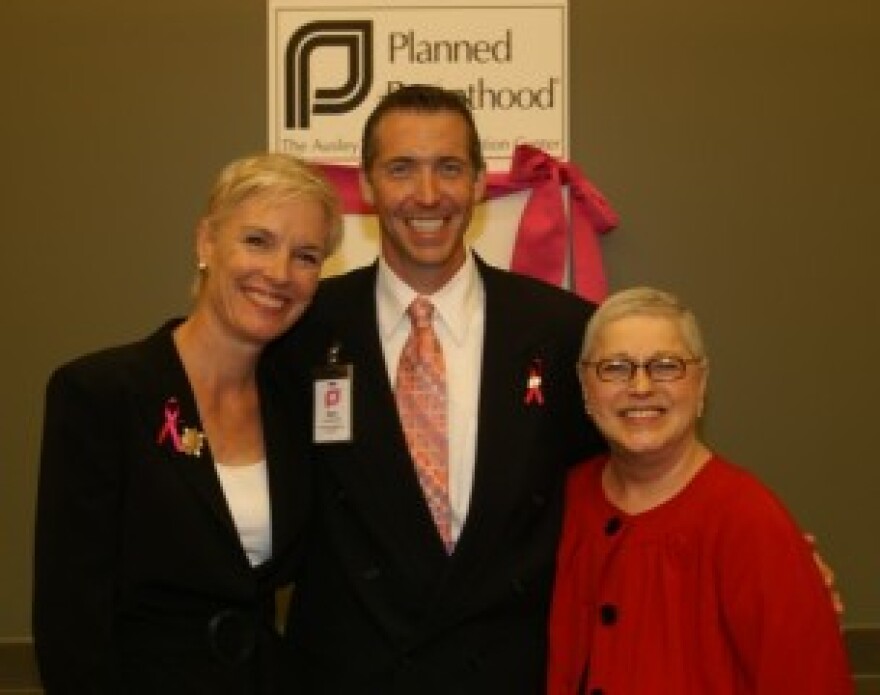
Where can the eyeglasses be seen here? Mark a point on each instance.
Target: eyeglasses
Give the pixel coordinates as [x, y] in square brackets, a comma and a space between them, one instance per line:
[623, 369]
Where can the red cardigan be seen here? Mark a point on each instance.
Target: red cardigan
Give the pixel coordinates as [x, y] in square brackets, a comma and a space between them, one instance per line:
[714, 591]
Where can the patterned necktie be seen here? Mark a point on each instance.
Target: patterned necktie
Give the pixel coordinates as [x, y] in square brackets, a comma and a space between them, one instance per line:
[421, 404]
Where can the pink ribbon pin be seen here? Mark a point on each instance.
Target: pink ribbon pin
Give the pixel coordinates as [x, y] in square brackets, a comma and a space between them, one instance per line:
[169, 429]
[533, 384]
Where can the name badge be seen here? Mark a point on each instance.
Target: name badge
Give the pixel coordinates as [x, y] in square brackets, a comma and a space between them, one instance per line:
[332, 403]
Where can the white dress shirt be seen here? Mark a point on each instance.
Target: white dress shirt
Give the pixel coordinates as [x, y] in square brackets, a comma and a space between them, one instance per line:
[459, 321]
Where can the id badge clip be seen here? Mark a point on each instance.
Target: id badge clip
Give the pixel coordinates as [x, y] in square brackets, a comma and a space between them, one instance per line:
[332, 403]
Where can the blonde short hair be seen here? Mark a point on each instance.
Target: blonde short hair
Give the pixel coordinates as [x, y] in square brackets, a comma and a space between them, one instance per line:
[276, 175]
[645, 301]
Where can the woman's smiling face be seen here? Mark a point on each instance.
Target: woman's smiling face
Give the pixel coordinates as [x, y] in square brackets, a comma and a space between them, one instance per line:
[641, 415]
[263, 264]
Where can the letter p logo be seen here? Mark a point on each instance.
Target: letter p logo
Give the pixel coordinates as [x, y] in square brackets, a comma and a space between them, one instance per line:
[301, 101]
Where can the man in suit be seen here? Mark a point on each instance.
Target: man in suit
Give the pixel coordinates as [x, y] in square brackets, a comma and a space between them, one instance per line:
[391, 601]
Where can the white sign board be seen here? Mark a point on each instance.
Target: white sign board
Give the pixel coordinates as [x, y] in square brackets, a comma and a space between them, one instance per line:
[329, 63]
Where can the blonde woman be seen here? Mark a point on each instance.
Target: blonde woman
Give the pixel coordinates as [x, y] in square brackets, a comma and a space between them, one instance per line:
[173, 484]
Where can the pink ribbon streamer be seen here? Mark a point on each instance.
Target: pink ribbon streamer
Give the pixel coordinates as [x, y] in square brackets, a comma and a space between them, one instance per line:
[541, 240]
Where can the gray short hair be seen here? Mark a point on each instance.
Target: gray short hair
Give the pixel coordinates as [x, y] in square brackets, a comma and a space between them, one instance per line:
[645, 301]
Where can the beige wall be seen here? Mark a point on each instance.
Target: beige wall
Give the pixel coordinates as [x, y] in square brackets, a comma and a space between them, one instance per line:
[737, 140]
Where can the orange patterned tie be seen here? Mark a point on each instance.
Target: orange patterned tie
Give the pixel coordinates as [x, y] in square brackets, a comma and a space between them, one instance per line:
[421, 403]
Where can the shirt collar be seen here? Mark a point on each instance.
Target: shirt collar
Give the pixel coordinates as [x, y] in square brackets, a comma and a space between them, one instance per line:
[454, 303]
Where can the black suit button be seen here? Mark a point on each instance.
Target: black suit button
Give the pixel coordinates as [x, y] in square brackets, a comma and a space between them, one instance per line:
[518, 587]
[608, 614]
[539, 500]
[613, 525]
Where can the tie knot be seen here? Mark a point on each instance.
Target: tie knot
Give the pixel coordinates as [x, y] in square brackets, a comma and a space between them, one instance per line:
[420, 312]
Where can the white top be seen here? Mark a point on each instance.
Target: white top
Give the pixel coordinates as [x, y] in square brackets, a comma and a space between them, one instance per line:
[459, 321]
[247, 494]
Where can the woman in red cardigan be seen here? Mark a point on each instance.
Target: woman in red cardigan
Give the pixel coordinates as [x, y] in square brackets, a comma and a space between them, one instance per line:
[678, 573]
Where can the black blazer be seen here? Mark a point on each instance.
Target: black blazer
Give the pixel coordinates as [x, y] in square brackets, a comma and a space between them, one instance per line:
[141, 582]
[381, 608]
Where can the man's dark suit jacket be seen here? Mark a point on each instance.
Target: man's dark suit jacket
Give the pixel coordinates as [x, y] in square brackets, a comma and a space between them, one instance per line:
[141, 582]
[381, 608]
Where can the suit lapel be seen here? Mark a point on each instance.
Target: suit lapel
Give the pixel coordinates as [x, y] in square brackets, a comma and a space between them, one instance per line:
[169, 381]
[507, 425]
[286, 440]
[380, 473]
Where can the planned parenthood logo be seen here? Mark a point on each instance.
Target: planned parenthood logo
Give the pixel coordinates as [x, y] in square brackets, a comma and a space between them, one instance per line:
[305, 93]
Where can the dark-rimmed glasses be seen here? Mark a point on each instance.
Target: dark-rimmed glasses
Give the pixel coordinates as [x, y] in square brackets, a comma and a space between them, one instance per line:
[623, 369]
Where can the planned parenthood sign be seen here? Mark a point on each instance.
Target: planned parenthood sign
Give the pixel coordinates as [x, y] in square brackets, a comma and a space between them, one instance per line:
[330, 61]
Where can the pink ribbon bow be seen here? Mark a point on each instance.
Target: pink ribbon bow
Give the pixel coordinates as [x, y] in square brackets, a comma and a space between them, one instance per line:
[540, 247]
